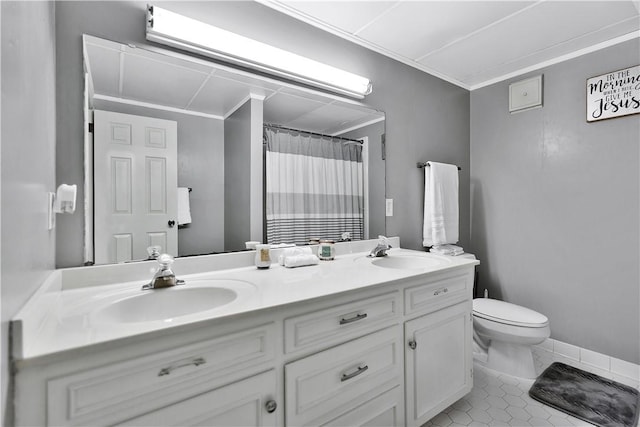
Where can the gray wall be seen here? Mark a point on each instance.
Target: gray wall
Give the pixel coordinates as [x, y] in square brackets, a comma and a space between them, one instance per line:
[376, 171]
[426, 118]
[28, 168]
[243, 176]
[201, 167]
[110, 20]
[237, 177]
[555, 206]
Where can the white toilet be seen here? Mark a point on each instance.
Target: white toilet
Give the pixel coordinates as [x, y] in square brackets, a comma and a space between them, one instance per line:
[503, 334]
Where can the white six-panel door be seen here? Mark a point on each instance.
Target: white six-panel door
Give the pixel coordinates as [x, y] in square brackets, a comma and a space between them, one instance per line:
[135, 184]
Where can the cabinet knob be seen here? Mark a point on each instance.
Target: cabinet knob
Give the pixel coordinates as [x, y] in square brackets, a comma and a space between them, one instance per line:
[271, 406]
[413, 345]
[171, 223]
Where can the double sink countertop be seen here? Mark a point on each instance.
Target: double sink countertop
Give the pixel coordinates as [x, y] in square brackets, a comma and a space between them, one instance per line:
[81, 307]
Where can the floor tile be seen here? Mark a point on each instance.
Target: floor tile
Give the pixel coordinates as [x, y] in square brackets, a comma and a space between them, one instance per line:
[499, 400]
[515, 401]
[502, 400]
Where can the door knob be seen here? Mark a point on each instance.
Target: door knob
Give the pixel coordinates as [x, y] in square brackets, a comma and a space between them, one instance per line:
[271, 406]
[171, 223]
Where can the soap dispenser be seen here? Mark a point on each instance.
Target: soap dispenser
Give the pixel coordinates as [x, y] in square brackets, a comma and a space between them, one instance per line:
[263, 256]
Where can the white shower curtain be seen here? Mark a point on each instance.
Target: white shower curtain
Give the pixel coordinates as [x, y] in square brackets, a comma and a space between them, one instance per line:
[314, 187]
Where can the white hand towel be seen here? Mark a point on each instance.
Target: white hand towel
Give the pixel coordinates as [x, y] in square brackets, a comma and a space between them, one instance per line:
[184, 210]
[300, 260]
[298, 250]
[451, 250]
[440, 204]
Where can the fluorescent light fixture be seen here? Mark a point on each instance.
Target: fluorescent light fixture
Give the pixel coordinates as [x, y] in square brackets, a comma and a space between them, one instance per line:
[189, 34]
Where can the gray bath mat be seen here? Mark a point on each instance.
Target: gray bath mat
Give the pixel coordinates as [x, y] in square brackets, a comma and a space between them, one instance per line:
[587, 396]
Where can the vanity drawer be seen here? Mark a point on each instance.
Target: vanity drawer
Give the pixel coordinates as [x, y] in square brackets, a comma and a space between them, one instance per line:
[384, 410]
[438, 293]
[117, 392]
[243, 403]
[342, 322]
[330, 383]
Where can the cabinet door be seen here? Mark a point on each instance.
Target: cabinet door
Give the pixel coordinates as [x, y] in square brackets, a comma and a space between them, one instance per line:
[250, 402]
[438, 361]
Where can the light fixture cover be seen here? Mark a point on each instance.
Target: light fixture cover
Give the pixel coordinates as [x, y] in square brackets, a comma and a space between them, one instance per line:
[179, 31]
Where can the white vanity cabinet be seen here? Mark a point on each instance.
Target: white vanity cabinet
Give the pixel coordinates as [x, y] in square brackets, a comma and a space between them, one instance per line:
[394, 353]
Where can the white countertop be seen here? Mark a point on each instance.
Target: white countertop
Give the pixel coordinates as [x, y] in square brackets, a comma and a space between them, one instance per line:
[60, 318]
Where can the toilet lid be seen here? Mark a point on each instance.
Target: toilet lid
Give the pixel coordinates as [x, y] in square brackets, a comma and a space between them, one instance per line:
[510, 314]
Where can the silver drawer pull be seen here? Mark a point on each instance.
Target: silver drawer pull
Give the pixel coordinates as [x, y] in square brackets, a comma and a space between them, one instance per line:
[441, 291]
[355, 318]
[355, 373]
[195, 362]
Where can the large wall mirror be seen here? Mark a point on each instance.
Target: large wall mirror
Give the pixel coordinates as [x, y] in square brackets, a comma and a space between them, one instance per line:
[203, 139]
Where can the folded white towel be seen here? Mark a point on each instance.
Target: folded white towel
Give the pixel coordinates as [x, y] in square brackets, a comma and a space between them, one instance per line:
[184, 210]
[440, 204]
[300, 260]
[283, 245]
[451, 250]
[298, 250]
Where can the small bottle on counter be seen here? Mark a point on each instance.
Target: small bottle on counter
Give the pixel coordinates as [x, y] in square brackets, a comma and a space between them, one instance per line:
[263, 256]
[326, 250]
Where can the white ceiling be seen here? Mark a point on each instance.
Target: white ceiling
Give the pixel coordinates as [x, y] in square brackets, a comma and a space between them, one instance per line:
[175, 82]
[473, 43]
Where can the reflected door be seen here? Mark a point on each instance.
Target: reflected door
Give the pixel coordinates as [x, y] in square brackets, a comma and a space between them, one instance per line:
[135, 186]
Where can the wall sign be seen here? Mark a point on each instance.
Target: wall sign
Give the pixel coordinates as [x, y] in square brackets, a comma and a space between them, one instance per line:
[613, 94]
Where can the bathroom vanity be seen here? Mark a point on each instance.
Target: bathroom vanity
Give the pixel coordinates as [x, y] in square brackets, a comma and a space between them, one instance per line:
[354, 341]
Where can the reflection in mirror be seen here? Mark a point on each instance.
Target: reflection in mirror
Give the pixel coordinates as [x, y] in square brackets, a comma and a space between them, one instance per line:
[179, 151]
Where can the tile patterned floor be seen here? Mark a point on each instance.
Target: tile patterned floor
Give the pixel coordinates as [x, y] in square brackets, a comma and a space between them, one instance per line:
[502, 400]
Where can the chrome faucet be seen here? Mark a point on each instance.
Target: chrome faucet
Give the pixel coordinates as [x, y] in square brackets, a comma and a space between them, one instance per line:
[381, 248]
[164, 276]
[153, 251]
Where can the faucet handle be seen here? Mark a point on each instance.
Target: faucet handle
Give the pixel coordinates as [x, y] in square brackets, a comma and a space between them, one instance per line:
[382, 240]
[154, 251]
[165, 260]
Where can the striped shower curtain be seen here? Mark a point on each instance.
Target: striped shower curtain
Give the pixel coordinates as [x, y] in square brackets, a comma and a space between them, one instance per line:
[314, 187]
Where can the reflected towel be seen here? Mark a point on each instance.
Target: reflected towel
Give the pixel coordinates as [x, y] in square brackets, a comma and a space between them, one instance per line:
[184, 210]
[440, 204]
[300, 260]
[298, 250]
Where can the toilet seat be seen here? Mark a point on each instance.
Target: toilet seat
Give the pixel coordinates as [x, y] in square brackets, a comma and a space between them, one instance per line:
[508, 314]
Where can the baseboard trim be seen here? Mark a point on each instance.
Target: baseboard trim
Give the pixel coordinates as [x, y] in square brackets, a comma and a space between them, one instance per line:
[597, 363]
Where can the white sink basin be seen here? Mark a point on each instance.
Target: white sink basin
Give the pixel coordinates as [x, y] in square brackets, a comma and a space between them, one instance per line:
[410, 262]
[152, 305]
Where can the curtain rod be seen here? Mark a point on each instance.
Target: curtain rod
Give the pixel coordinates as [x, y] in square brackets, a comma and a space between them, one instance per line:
[423, 164]
[311, 133]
